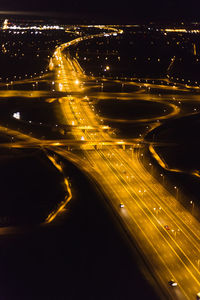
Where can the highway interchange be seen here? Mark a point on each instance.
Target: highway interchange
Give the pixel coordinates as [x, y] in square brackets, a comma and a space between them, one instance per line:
[170, 252]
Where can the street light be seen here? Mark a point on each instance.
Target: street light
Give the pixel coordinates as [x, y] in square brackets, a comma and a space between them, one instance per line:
[175, 187]
[162, 177]
[192, 203]
[76, 82]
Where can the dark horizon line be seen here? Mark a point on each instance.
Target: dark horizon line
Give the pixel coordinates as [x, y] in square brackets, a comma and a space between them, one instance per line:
[92, 17]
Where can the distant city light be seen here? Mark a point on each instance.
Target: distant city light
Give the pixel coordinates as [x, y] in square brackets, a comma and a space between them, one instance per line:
[181, 30]
[45, 27]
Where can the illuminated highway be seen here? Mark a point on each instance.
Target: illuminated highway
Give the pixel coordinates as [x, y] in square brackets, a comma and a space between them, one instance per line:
[171, 252]
[166, 234]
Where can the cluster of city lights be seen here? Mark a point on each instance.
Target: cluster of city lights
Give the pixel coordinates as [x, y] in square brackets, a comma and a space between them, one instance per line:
[41, 27]
[181, 30]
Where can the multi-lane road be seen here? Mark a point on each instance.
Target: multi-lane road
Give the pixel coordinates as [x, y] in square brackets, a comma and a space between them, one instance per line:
[167, 236]
[164, 232]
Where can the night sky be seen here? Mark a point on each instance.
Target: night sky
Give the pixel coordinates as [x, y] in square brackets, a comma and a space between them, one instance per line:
[126, 10]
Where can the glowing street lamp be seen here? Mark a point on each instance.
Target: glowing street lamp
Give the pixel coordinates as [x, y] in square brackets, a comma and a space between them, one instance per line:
[192, 203]
[175, 187]
[76, 81]
[162, 177]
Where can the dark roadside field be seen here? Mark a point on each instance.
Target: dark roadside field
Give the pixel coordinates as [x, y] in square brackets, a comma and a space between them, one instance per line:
[180, 153]
[30, 187]
[80, 255]
[38, 117]
[131, 110]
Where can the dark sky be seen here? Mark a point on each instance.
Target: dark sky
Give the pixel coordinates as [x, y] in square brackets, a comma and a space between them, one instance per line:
[119, 9]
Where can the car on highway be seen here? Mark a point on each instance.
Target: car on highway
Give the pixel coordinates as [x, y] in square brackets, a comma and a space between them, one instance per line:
[121, 205]
[167, 227]
[173, 283]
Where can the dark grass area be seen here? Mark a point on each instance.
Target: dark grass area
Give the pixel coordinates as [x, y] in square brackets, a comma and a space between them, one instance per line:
[189, 105]
[30, 187]
[183, 154]
[80, 256]
[38, 118]
[127, 130]
[187, 186]
[29, 108]
[34, 109]
[130, 110]
[183, 134]
[5, 138]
